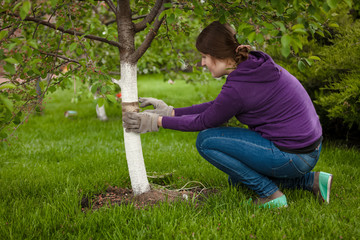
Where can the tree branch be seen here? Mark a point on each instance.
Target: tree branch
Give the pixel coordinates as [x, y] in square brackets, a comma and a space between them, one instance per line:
[138, 17]
[11, 32]
[111, 5]
[59, 56]
[133, 18]
[150, 17]
[149, 37]
[71, 32]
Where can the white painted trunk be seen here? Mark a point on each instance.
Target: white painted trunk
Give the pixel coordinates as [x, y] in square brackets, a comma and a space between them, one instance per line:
[100, 112]
[133, 149]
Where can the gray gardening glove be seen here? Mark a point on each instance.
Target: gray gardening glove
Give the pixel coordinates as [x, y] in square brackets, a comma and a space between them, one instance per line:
[160, 107]
[140, 122]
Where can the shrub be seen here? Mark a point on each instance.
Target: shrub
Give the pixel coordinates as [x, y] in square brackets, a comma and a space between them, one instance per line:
[343, 99]
[335, 80]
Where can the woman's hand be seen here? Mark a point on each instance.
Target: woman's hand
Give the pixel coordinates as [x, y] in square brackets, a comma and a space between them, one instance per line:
[160, 107]
[140, 122]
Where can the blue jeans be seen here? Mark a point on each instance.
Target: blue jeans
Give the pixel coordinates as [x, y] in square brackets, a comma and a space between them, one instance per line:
[250, 159]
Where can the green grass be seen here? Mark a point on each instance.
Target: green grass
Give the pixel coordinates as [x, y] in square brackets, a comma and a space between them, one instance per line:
[56, 161]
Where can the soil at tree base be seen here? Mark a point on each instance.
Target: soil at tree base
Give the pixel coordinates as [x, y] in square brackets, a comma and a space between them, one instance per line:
[123, 196]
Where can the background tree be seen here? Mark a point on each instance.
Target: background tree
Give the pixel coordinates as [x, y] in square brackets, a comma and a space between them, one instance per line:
[93, 37]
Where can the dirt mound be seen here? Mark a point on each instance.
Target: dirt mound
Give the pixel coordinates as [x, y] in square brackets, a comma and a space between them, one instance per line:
[124, 196]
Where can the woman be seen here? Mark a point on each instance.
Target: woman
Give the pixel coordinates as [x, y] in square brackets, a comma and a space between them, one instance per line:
[283, 142]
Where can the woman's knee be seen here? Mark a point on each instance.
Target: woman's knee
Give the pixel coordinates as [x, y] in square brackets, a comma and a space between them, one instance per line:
[202, 137]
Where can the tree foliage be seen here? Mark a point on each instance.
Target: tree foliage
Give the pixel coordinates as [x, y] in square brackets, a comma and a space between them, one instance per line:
[339, 73]
[39, 38]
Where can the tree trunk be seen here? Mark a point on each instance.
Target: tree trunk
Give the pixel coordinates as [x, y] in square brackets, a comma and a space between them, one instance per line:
[133, 149]
[101, 113]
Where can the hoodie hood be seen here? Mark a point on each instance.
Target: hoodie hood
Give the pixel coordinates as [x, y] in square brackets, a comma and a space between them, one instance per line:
[259, 67]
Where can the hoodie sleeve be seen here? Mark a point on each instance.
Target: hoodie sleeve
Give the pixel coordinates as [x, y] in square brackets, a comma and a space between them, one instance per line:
[224, 107]
[194, 109]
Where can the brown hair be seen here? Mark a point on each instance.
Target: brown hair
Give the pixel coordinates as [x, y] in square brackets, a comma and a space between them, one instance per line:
[219, 41]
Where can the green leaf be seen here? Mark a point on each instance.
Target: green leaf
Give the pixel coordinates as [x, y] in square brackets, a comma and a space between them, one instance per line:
[332, 3]
[296, 44]
[79, 51]
[321, 33]
[72, 47]
[222, 19]
[101, 102]
[94, 88]
[53, 3]
[170, 19]
[297, 26]
[103, 90]
[59, 22]
[11, 46]
[34, 62]
[35, 70]
[11, 60]
[311, 10]
[296, 4]
[316, 58]
[10, 68]
[8, 104]
[301, 66]
[7, 86]
[268, 26]
[262, 3]
[167, 5]
[326, 7]
[32, 43]
[198, 9]
[16, 6]
[3, 34]
[299, 30]
[41, 85]
[334, 25]
[349, 3]
[285, 40]
[274, 33]
[162, 14]
[309, 62]
[285, 51]
[251, 37]
[24, 10]
[17, 119]
[278, 5]
[259, 38]
[111, 98]
[52, 89]
[281, 26]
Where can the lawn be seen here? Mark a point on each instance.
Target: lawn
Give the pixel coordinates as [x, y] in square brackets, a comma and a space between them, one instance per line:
[53, 162]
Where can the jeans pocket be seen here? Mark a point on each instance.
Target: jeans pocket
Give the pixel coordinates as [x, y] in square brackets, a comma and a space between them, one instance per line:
[306, 162]
[315, 154]
[287, 170]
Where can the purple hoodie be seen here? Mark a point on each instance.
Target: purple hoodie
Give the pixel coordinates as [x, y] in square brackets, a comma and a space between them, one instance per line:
[262, 95]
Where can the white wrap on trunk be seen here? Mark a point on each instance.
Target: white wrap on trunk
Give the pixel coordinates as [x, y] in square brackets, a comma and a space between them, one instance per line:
[133, 149]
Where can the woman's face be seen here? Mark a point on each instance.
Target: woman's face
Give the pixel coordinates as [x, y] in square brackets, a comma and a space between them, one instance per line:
[217, 67]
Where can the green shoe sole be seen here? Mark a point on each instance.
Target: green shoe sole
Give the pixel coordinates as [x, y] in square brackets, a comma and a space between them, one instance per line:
[325, 182]
[276, 203]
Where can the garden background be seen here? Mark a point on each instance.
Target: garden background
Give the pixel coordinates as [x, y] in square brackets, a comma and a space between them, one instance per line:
[52, 162]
